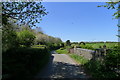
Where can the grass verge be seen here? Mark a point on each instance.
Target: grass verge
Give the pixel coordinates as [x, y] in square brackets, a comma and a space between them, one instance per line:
[79, 59]
[62, 51]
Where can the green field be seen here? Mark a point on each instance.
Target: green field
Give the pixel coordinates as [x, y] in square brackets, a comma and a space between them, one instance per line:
[97, 45]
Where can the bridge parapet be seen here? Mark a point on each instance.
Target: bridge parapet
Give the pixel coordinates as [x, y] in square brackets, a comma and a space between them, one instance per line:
[90, 54]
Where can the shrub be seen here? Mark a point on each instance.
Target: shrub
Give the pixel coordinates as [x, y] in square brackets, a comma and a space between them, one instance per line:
[24, 62]
[112, 60]
[26, 38]
[9, 37]
[68, 43]
[107, 68]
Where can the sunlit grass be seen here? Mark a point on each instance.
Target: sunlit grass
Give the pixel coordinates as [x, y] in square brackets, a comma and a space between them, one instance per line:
[97, 45]
[79, 59]
[63, 51]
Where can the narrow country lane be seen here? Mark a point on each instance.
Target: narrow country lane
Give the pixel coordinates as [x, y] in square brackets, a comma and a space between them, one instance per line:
[61, 66]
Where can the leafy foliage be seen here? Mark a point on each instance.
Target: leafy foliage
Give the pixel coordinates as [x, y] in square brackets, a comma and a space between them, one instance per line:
[108, 68]
[113, 5]
[26, 37]
[112, 60]
[25, 62]
[19, 60]
[9, 36]
[42, 38]
[68, 43]
[25, 12]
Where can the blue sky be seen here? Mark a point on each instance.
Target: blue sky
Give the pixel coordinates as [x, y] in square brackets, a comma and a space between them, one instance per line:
[79, 21]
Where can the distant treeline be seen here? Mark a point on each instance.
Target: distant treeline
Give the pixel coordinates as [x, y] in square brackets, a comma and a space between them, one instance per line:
[93, 42]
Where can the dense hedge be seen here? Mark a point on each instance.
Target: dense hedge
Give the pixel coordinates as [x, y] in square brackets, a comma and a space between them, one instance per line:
[24, 62]
[108, 68]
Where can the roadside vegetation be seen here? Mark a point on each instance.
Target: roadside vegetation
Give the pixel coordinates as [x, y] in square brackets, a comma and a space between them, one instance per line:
[62, 51]
[107, 68]
[25, 62]
[25, 50]
[79, 59]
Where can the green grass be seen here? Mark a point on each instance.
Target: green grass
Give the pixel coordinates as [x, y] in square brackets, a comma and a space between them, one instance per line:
[97, 45]
[93, 46]
[79, 59]
[62, 51]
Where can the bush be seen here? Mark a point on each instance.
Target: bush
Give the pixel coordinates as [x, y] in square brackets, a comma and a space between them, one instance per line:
[112, 60]
[24, 62]
[26, 38]
[107, 68]
[98, 70]
[9, 37]
[53, 46]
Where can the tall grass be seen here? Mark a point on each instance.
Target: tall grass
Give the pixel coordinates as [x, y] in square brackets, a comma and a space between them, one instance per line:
[79, 59]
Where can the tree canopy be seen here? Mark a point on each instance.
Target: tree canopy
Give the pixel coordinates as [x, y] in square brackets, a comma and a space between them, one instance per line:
[113, 5]
[68, 43]
[24, 12]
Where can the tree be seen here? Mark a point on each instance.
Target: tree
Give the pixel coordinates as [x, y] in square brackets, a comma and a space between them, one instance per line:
[113, 5]
[9, 36]
[62, 45]
[26, 38]
[42, 38]
[116, 6]
[24, 12]
[68, 43]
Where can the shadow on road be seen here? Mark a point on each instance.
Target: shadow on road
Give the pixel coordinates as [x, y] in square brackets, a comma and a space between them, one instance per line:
[66, 70]
[55, 69]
